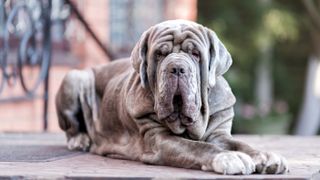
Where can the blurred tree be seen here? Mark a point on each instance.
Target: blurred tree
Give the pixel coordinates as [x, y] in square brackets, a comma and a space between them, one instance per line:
[267, 41]
[236, 23]
[309, 118]
[276, 25]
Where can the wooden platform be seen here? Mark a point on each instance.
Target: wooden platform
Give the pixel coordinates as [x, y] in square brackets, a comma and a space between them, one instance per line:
[43, 156]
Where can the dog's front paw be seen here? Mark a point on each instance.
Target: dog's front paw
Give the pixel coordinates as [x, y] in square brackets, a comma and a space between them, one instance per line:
[270, 163]
[231, 162]
[79, 142]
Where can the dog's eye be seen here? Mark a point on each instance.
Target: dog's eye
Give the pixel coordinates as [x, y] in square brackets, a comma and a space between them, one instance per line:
[196, 55]
[159, 55]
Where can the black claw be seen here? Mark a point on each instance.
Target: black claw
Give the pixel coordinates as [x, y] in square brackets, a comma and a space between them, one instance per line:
[259, 168]
[272, 169]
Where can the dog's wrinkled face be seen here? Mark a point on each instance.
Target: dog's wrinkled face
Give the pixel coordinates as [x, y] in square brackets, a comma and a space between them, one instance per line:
[177, 90]
[179, 61]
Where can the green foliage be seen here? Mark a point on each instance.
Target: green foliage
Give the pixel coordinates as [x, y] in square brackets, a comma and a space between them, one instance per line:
[271, 124]
[282, 24]
[246, 28]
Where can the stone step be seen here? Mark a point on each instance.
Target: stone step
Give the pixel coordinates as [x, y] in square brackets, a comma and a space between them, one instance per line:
[44, 156]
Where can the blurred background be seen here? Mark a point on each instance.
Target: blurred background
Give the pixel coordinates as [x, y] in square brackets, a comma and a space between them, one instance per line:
[275, 45]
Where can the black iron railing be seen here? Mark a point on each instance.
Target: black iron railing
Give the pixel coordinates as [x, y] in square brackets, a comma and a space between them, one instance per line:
[107, 52]
[25, 28]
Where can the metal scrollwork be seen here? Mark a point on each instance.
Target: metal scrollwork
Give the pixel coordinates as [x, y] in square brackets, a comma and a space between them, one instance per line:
[25, 44]
[25, 30]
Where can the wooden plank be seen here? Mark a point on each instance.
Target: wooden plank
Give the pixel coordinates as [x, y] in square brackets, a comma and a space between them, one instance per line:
[302, 153]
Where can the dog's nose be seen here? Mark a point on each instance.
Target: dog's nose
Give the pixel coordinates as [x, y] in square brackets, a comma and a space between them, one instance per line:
[177, 69]
[187, 121]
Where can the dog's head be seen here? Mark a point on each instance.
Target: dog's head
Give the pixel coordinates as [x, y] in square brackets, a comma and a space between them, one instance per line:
[179, 61]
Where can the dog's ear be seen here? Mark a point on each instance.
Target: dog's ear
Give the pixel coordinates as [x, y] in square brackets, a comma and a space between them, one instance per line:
[220, 59]
[139, 58]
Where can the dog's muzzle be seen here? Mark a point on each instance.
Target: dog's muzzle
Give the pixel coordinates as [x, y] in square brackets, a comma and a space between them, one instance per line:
[177, 101]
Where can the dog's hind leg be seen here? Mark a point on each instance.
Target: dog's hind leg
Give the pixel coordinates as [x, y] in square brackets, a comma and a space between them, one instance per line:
[72, 104]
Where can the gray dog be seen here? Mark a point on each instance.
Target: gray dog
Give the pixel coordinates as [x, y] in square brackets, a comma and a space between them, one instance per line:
[168, 105]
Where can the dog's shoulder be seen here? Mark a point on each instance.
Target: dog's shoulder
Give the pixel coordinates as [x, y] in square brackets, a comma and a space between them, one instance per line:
[220, 96]
[119, 74]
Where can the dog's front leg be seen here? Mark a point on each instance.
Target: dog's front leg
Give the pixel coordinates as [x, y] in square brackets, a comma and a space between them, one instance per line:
[163, 148]
[265, 162]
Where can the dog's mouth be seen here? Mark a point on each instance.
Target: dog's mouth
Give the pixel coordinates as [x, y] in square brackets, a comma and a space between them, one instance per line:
[177, 114]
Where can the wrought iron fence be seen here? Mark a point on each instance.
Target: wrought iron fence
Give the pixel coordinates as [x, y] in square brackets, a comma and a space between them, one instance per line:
[25, 29]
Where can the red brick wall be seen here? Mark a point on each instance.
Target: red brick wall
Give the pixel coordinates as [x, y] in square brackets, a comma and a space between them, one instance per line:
[27, 116]
[181, 9]
[96, 13]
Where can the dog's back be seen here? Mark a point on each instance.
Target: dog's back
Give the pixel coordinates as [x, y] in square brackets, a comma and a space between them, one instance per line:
[104, 73]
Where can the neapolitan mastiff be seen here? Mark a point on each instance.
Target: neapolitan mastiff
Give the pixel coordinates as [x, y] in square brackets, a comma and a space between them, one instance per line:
[168, 105]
